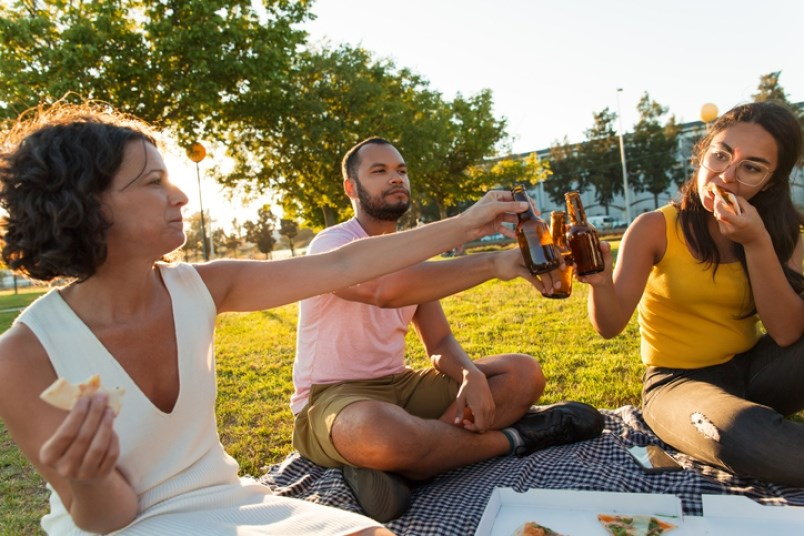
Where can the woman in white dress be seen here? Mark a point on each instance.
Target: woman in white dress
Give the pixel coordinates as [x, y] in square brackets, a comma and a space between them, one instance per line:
[89, 199]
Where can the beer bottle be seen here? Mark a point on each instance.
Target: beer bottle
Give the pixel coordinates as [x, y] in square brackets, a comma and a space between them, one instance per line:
[535, 242]
[583, 238]
[558, 230]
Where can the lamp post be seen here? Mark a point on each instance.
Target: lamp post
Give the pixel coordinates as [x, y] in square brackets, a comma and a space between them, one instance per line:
[626, 192]
[196, 153]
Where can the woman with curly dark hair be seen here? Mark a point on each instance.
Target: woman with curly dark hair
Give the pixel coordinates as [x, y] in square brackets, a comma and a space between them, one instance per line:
[88, 198]
[707, 274]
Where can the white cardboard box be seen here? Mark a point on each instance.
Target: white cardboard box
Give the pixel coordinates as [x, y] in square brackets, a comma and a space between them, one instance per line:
[571, 512]
[574, 513]
[735, 515]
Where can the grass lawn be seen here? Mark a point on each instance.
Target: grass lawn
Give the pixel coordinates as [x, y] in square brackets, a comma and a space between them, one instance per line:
[255, 355]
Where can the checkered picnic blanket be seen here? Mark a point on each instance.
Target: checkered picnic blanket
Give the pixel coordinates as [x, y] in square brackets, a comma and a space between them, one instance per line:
[453, 503]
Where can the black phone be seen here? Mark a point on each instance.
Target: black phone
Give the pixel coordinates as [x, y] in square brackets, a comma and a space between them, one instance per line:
[652, 459]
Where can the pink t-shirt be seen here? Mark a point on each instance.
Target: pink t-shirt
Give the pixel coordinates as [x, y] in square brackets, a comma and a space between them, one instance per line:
[340, 340]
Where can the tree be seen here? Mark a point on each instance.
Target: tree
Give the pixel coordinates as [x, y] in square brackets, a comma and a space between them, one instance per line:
[261, 232]
[466, 134]
[201, 68]
[193, 245]
[507, 172]
[600, 159]
[340, 97]
[289, 229]
[565, 170]
[652, 152]
[770, 89]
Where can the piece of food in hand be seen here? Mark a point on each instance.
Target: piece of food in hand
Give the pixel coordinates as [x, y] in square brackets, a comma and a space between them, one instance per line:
[63, 394]
[728, 198]
[634, 525]
[534, 529]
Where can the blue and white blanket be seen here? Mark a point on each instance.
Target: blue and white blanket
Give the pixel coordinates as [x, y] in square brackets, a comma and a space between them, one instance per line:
[453, 503]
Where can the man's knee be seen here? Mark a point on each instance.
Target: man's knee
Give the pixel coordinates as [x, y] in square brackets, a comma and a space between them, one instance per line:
[527, 375]
[369, 433]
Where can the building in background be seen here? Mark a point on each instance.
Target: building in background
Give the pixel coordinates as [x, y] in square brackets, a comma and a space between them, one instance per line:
[644, 201]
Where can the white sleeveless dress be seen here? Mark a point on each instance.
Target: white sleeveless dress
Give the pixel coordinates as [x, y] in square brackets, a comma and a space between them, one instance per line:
[185, 481]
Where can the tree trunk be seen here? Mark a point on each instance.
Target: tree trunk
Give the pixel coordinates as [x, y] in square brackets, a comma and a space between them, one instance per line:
[329, 216]
[442, 210]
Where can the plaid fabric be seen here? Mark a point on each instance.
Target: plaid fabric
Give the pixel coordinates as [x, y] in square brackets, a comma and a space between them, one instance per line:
[453, 503]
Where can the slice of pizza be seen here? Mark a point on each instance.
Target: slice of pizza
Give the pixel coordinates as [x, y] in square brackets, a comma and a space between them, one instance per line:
[531, 528]
[728, 198]
[63, 394]
[634, 525]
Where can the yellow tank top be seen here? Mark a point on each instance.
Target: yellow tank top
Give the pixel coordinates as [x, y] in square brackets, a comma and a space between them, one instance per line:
[687, 319]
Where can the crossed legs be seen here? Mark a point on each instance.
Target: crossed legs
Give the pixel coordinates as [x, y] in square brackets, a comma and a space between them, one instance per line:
[384, 436]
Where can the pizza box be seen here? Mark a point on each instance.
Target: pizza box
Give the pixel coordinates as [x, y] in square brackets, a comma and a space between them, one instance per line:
[737, 515]
[573, 512]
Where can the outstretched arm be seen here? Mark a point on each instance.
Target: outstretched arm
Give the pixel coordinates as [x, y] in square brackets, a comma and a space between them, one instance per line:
[615, 292]
[434, 280]
[256, 285]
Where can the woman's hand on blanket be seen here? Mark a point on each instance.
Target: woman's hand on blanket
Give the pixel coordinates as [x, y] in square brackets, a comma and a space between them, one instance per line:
[84, 446]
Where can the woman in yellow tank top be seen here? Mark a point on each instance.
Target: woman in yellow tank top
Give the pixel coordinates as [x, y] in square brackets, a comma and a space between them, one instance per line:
[704, 272]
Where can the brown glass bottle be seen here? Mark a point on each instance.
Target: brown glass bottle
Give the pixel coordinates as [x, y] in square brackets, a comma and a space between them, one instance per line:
[534, 238]
[558, 230]
[583, 238]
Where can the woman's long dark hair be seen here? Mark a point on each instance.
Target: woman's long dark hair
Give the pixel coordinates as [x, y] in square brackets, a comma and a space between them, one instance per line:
[774, 203]
[54, 163]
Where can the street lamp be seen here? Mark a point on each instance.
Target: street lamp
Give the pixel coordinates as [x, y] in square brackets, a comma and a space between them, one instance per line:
[626, 192]
[196, 153]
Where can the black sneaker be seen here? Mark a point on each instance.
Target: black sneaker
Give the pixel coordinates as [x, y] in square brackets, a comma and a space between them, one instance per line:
[558, 424]
[383, 496]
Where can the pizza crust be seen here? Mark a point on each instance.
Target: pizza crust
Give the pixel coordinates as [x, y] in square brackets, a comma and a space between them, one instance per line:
[727, 198]
[63, 394]
[531, 528]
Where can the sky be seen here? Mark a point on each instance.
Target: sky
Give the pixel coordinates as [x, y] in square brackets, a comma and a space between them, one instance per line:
[552, 65]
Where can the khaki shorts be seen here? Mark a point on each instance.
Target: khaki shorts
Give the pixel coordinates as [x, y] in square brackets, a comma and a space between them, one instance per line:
[424, 393]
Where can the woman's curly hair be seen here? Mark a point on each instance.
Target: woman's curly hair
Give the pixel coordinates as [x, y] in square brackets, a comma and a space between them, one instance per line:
[54, 164]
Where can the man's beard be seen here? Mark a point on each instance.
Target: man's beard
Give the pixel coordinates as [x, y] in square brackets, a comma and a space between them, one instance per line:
[377, 208]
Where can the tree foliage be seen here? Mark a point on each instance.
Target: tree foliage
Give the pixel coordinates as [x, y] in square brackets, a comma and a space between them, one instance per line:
[202, 68]
[600, 164]
[651, 154]
[340, 97]
[565, 165]
[771, 89]
[507, 172]
[466, 133]
[289, 229]
[261, 232]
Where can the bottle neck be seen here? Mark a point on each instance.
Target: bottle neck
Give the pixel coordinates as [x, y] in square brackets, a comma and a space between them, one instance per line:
[558, 230]
[576, 212]
[520, 195]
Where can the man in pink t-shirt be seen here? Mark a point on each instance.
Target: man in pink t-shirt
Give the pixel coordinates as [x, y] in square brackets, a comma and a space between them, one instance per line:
[358, 406]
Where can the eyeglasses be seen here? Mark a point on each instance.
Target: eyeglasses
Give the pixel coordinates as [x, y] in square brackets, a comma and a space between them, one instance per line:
[748, 172]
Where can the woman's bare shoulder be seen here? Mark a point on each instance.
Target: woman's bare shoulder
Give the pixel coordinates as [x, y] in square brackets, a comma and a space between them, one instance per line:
[24, 366]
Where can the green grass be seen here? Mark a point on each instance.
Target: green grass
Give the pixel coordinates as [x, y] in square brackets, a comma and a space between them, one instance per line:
[255, 355]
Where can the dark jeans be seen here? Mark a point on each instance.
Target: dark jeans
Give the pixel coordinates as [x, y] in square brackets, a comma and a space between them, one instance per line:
[733, 415]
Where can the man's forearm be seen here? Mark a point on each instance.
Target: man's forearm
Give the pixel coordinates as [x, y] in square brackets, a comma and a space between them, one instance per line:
[434, 280]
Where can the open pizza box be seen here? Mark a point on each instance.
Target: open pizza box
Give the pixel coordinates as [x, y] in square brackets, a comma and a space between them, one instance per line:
[574, 513]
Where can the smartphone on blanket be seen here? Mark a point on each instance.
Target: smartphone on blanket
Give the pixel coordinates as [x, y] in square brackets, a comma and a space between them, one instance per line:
[652, 459]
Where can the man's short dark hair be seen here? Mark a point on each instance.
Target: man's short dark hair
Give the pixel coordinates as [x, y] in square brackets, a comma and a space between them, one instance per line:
[351, 160]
